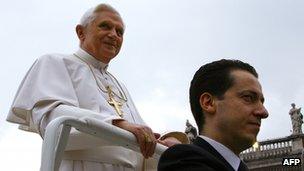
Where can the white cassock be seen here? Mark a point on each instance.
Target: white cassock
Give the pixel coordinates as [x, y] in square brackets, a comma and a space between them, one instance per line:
[77, 80]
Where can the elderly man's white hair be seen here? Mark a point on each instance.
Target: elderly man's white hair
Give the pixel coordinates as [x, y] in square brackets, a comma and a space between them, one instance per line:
[90, 14]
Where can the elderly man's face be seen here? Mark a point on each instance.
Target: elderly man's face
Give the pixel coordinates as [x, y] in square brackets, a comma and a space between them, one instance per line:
[103, 37]
[239, 113]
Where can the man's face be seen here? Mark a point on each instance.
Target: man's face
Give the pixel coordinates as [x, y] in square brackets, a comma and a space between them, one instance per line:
[103, 37]
[239, 113]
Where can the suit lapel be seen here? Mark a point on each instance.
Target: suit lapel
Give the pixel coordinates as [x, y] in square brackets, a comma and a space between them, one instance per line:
[243, 167]
[205, 145]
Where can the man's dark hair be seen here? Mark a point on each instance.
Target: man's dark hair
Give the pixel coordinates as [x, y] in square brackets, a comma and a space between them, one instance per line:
[214, 78]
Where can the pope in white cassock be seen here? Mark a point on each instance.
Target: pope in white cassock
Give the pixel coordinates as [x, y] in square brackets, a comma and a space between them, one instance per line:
[81, 81]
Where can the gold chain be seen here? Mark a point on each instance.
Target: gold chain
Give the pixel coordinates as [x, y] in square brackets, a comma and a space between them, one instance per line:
[144, 165]
[120, 90]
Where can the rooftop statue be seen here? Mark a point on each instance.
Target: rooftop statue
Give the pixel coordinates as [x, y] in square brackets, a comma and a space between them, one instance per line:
[296, 119]
[190, 131]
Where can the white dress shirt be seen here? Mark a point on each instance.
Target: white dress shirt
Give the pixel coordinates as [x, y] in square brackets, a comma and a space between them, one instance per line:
[228, 155]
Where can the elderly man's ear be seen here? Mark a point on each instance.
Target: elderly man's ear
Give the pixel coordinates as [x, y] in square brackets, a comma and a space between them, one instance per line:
[80, 32]
[207, 102]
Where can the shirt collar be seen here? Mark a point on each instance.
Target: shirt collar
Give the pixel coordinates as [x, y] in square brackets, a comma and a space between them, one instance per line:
[91, 60]
[229, 156]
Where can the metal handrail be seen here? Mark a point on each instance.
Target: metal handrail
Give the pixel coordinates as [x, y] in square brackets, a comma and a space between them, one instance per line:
[58, 130]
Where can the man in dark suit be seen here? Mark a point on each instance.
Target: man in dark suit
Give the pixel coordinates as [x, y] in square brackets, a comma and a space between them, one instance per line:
[227, 103]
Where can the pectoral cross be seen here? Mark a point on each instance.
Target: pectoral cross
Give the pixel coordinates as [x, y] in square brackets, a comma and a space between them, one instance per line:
[117, 105]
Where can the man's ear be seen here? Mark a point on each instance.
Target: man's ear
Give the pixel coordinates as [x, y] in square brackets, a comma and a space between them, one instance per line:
[80, 32]
[207, 103]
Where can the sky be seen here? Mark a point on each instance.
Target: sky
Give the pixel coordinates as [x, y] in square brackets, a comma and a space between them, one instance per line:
[165, 42]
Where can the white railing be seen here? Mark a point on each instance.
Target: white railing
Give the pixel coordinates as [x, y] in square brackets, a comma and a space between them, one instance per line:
[58, 130]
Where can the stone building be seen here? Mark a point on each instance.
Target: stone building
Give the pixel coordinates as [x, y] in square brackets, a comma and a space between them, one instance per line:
[270, 154]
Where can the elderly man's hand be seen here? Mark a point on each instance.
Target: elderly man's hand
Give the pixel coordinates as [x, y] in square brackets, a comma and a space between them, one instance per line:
[144, 135]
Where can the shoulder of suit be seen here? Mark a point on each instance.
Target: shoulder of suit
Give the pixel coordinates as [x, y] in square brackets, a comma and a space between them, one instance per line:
[184, 148]
[189, 156]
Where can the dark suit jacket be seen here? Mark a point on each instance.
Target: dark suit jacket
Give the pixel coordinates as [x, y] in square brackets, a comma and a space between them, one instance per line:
[199, 156]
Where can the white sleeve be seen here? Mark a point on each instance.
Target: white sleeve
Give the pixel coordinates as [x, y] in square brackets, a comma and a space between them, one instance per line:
[46, 85]
[47, 82]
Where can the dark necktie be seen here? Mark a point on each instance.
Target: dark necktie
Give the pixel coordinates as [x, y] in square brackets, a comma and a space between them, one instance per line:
[242, 167]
